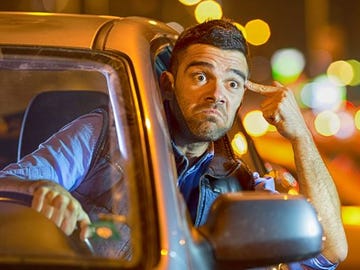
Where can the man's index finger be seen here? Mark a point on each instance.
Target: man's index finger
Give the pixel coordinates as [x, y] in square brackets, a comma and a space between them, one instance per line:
[265, 90]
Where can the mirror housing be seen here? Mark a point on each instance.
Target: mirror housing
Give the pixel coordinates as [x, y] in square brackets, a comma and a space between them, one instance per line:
[254, 229]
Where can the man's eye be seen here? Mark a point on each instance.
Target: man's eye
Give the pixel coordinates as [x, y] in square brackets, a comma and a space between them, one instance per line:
[200, 77]
[234, 84]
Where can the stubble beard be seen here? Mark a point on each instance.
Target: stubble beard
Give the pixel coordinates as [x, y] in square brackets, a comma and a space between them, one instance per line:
[206, 129]
[199, 128]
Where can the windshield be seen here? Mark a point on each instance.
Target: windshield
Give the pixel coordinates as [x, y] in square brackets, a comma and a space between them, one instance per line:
[44, 95]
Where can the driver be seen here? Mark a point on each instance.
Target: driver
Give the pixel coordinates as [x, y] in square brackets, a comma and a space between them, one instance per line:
[204, 88]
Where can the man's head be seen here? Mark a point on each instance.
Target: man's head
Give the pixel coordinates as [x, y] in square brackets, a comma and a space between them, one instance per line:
[205, 85]
[222, 34]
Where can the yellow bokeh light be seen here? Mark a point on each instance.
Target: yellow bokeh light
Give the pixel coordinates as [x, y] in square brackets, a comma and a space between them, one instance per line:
[239, 144]
[164, 252]
[257, 32]
[342, 71]
[255, 124]
[208, 10]
[189, 2]
[241, 29]
[357, 119]
[327, 123]
[356, 72]
[293, 191]
[351, 215]
[271, 128]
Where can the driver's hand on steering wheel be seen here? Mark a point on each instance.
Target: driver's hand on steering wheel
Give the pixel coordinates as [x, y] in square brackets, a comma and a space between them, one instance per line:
[57, 204]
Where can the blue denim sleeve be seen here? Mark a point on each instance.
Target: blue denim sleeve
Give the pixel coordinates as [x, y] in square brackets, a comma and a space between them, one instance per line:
[65, 157]
[264, 183]
[316, 263]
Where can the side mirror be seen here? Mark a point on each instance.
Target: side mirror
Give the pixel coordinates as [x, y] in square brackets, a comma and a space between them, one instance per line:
[252, 229]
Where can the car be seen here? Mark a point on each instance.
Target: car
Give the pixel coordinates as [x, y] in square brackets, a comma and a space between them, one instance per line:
[57, 67]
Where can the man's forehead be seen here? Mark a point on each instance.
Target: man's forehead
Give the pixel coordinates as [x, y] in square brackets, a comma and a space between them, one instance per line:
[207, 47]
[210, 56]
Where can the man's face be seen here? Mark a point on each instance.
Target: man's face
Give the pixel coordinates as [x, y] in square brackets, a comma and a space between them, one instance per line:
[207, 90]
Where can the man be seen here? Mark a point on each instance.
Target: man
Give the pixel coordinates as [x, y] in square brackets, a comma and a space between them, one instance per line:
[206, 83]
[203, 92]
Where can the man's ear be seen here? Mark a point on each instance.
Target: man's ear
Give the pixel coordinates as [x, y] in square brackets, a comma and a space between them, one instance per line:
[167, 84]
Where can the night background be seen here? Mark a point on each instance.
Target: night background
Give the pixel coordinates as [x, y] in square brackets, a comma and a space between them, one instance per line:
[320, 32]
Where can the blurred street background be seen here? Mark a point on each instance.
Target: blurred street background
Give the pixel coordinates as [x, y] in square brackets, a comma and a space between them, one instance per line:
[311, 46]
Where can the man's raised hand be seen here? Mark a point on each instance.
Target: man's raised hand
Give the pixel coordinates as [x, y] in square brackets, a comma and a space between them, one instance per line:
[280, 109]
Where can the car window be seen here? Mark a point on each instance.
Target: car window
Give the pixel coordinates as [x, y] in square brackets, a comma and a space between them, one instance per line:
[80, 89]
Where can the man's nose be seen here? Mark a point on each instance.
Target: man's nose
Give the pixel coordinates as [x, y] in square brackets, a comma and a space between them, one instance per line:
[216, 93]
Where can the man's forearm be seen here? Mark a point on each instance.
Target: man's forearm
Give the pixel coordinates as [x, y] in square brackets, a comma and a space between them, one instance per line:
[12, 183]
[317, 184]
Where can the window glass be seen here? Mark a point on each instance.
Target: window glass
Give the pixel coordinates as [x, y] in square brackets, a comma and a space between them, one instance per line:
[88, 97]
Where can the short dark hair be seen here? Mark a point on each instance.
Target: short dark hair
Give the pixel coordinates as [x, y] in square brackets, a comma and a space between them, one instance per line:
[221, 33]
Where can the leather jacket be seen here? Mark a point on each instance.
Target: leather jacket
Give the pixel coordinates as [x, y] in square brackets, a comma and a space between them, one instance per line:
[224, 173]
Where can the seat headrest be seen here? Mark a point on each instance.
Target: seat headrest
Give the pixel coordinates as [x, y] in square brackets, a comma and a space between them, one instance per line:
[49, 111]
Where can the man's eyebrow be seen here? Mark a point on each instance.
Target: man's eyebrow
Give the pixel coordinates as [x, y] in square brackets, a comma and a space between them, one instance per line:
[198, 63]
[206, 64]
[239, 73]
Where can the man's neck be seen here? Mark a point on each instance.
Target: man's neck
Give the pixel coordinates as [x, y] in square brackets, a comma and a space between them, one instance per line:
[192, 151]
[184, 140]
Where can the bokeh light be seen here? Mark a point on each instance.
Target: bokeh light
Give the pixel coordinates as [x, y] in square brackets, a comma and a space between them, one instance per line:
[293, 191]
[255, 124]
[239, 144]
[241, 28]
[257, 32]
[104, 232]
[189, 2]
[327, 123]
[208, 10]
[351, 215]
[347, 126]
[356, 72]
[357, 119]
[341, 72]
[287, 64]
[323, 94]
[271, 128]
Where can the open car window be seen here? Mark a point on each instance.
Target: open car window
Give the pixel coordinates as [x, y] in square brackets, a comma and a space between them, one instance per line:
[61, 89]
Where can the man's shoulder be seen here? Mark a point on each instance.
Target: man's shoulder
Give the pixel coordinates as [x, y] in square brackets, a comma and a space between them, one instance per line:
[92, 121]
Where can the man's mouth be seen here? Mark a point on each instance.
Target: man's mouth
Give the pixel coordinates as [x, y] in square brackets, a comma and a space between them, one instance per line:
[213, 113]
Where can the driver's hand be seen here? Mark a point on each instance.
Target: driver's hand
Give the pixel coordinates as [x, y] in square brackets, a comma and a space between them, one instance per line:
[57, 204]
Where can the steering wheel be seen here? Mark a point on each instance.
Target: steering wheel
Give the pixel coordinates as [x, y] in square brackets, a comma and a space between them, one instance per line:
[23, 230]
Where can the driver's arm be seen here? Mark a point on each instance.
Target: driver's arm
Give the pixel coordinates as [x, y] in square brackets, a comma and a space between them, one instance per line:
[63, 160]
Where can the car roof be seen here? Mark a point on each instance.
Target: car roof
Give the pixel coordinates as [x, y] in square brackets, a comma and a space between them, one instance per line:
[72, 30]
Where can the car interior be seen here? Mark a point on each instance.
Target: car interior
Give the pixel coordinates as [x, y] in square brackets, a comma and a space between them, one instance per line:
[56, 109]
